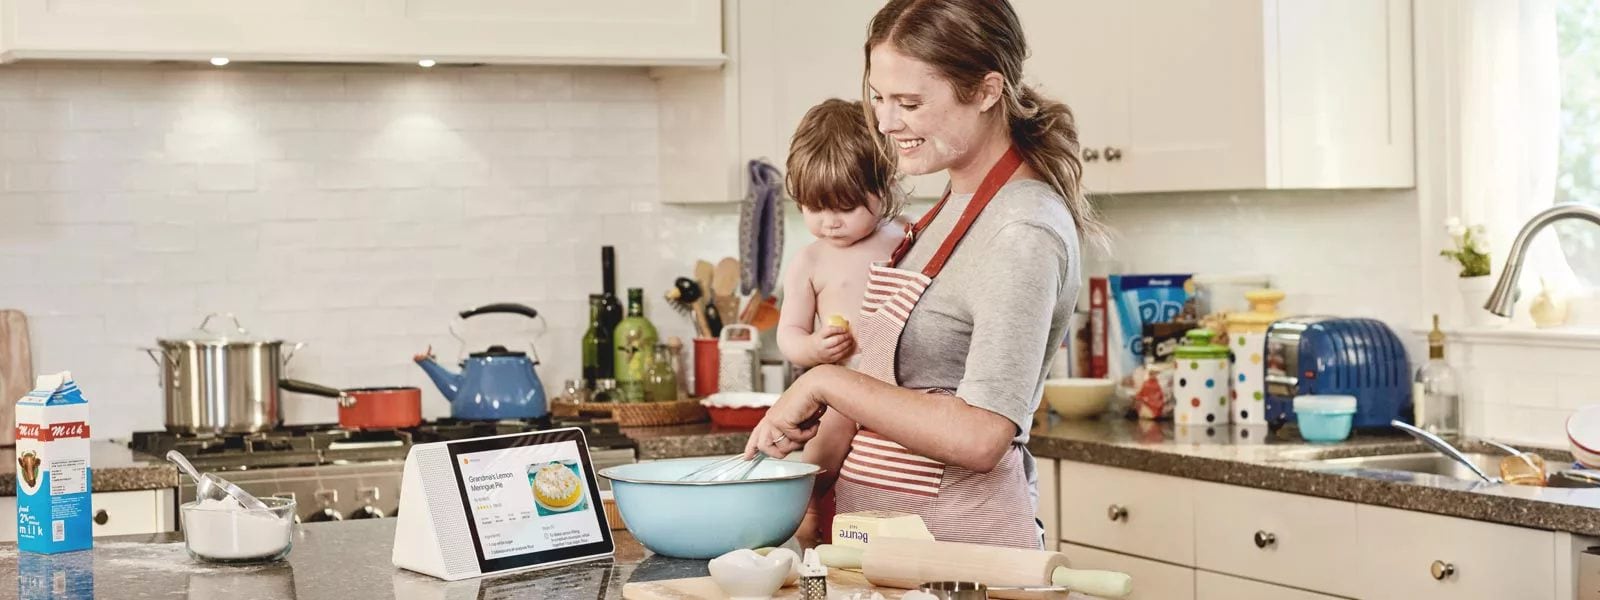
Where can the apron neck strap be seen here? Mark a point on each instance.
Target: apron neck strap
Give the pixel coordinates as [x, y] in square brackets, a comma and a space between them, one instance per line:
[992, 182]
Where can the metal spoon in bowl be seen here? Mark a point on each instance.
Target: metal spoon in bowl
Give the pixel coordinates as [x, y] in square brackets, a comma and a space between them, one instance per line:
[208, 486]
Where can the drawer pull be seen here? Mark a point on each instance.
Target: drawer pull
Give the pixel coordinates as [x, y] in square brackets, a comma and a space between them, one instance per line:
[1117, 512]
[1264, 539]
[101, 517]
[1090, 155]
[1113, 154]
[1440, 570]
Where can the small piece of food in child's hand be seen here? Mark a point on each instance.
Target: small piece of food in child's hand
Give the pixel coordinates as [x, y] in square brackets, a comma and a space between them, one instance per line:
[838, 321]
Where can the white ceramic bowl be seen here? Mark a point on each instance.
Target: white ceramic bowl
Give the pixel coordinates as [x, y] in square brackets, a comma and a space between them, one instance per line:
[744, 575]
[1583, 436]
[1078, 397]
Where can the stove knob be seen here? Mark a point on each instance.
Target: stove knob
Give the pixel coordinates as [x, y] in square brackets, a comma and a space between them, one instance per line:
[369, 508]
[326, 499]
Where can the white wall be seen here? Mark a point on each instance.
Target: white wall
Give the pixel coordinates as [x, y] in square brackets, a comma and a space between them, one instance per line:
[355, 210]
[1346, 253]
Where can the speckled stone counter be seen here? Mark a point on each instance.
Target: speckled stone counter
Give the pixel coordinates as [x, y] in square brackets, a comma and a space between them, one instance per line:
[1282, 462]
[679, 441]
[330, 561]
[113, 467]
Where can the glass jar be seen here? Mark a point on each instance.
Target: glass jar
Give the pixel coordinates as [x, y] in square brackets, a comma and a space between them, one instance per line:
[661, 380]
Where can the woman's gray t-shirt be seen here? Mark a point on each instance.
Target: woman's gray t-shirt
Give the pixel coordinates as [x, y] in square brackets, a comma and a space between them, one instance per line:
[990, 322]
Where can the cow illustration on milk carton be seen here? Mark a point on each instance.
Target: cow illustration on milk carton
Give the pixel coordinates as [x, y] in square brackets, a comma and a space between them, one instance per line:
[53, 512]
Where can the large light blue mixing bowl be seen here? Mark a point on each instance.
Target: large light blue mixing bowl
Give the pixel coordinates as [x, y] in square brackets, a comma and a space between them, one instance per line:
[705, 520]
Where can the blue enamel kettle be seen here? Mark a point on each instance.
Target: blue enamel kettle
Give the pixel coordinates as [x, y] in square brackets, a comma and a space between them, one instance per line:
[494, 384]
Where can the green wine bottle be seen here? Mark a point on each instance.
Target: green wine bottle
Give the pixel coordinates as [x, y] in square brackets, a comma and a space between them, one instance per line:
[635, 341]
[599, 353]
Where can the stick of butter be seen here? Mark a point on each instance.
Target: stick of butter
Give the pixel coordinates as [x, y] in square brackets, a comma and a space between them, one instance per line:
[860, 528]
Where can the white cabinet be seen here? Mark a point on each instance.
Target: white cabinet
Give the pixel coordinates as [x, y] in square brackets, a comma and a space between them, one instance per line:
[1283, 538]
[1418, 556]
[1231, 94]
[1214, 586]
[1152, 580]
[1127, 511]
[114, 513]
[1049, 508]
[632, 32]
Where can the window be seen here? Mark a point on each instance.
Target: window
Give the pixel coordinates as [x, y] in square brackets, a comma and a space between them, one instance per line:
[1578, 155]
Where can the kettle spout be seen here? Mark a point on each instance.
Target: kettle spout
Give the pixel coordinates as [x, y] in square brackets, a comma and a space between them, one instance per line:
[447, 382]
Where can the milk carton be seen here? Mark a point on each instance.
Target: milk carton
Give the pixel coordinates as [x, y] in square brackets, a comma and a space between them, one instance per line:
[53, 513]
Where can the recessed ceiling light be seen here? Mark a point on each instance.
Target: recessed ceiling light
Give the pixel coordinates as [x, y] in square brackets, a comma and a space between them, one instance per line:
[426, 62]
[219, 60]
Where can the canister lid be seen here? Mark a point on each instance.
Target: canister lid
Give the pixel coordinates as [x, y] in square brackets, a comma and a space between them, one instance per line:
[1263, 311]
[1198, 345]
[1325, 404]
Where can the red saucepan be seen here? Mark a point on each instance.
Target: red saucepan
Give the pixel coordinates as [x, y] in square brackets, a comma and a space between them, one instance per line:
[368, 408]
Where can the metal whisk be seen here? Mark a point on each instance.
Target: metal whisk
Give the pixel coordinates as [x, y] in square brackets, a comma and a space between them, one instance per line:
[732, 468]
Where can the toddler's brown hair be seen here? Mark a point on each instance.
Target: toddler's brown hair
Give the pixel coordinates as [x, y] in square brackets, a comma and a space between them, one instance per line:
[835, 162]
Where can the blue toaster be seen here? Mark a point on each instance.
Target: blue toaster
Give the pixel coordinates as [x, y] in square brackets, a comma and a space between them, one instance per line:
[1330, 355]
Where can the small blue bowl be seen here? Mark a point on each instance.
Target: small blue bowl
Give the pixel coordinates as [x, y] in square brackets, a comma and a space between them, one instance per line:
[1325, 418]
[705, 519]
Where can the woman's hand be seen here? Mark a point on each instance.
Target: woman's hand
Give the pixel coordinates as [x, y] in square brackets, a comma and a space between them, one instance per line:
[831, 344]
[793, 419]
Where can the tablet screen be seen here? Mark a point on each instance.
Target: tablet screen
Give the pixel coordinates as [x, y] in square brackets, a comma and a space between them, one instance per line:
[530, 499]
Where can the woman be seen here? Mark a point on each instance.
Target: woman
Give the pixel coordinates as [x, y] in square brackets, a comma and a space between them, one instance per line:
[956, 334]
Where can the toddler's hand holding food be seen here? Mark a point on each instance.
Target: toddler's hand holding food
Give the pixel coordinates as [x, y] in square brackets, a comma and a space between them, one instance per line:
[833, 343]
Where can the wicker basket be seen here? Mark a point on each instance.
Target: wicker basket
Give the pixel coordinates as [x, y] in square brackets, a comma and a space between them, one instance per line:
[642, 414]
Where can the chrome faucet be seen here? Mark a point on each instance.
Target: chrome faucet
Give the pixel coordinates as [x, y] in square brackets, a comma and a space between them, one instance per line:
[1501, 299]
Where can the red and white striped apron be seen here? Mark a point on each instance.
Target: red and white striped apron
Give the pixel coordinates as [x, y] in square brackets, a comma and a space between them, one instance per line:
[994, 508]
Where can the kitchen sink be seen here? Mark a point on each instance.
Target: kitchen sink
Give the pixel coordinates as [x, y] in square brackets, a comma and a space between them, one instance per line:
[1426, 462]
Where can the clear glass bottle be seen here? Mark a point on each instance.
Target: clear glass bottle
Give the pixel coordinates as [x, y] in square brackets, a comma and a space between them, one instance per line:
[635, 340]
[661, 381]
[1435, 392]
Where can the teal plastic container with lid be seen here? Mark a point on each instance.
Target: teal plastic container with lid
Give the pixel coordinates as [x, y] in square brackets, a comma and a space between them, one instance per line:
[1325, 418]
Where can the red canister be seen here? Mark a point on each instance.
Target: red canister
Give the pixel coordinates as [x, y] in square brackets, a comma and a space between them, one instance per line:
[707, 362]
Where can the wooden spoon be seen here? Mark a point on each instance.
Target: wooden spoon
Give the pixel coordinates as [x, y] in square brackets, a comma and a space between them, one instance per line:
[724, 286]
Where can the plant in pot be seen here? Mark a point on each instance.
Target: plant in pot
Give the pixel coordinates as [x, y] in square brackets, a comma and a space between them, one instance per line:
[1470, 252]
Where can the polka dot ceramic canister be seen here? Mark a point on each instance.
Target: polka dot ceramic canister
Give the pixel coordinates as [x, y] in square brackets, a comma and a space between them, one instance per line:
[1201, 388]
[1247, 341]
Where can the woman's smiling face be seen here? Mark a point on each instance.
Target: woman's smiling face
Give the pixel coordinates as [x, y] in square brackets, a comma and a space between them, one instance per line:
[927, 126]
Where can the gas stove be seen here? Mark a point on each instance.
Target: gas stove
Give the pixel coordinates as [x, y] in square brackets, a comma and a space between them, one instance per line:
[334, 473]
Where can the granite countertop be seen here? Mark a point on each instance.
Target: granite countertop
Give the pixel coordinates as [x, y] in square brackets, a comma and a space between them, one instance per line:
[113, 467]
[332, 561]
[681, 441]
[1280, 461]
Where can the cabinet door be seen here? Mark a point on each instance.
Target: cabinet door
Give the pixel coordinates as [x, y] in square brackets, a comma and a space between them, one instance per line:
[1078, 49]
[1212, 586]
[1195, 100]
[1401, 553]
[501, 31]
[133, 512]
[1127, 511]
[1152, 580]
[1290, 539]
[1049, 509]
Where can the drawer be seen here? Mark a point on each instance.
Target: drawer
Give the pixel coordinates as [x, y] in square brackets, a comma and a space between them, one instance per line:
[1215, 586]
[1152, 580]
[1049, 510]
[1127, 511]
[1297, 541]
[1399, 550]
[123, 513]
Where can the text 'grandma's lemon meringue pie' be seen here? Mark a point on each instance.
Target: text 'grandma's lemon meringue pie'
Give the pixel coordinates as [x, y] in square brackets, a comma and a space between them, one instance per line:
[557, 487]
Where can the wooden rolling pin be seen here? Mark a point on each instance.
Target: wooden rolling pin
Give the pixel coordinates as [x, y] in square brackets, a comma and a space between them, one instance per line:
[906, 564]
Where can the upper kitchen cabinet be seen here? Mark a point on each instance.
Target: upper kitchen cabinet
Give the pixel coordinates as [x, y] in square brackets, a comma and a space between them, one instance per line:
[608, 32]
[1230, 94]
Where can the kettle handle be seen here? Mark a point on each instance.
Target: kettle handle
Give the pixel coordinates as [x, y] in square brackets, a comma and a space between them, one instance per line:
[501, 307]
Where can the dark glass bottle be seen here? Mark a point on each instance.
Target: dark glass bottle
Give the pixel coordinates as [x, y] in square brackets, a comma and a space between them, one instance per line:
[608, 281]
[599, 355]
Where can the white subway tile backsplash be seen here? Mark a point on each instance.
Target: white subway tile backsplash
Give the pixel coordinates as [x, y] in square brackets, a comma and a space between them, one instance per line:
[354, 209]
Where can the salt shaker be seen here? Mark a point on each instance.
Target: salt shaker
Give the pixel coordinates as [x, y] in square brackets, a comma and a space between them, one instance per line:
[740, 348]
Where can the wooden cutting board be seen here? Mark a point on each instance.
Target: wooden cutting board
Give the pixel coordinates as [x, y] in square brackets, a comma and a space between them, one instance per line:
[841, 584]
[16, 370]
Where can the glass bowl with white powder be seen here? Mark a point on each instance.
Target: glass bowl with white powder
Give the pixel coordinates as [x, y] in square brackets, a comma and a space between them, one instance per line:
[224, 531]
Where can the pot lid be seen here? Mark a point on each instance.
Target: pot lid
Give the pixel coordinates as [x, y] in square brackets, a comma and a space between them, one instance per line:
[497, 351]
[215, 330]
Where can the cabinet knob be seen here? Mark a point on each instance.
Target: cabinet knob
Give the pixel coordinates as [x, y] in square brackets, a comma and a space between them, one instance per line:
[1113, 154]
[101, 517]
[1117, 512]
[1440, 570]
[1264, 539]
[1090, 155]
